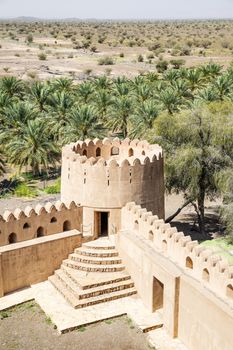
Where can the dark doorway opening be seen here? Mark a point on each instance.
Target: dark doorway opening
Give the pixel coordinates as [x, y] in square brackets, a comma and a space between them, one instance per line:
[158, 288]
[104, 223]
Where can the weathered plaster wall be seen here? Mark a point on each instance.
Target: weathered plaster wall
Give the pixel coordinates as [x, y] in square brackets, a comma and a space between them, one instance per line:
[42, 221]
[144, 264]
[33, 261]
[110, 181]
[198, 292]
[205, 321]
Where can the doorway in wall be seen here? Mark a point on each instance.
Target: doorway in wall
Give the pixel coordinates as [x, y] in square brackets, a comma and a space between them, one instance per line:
[158, 290]
[101, 223]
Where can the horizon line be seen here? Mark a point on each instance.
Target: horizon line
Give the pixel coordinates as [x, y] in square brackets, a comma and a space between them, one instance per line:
[115, 19]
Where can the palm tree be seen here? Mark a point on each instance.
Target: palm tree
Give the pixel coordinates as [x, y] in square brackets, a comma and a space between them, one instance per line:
[83, 123]
[142, 92]
[151, 77]
[15, 117]
[181, 88]
[33, 148]
[211, 70]
[121, 110]
[170, 100]
[223, 86]
[5, 101]
[40, 92]
[84, 92]
[121, 89]
[102, 82]
[62, 84]
[194, 78]
[171, 75]
[144, 118]
[12, 87]
[102, 102]
[60, 105]
[208, 94]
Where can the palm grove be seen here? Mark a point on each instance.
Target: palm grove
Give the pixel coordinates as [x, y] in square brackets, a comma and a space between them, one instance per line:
[188, 111]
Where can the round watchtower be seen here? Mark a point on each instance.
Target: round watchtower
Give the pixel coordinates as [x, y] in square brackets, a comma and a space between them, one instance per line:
[104, 175]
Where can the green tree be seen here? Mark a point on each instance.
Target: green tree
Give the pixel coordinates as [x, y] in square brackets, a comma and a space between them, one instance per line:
[39, 92]
[143, 118]
[121, 111]
[12, 87]
[198, 145]
[83, 123]
[33, 148]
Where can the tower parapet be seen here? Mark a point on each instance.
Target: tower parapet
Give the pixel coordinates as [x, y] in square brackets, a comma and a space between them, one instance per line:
[105, 175]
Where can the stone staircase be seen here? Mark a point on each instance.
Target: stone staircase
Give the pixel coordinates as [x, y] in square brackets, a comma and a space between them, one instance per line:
[93, 274]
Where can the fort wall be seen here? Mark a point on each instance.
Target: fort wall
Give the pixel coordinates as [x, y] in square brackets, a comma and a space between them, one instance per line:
[52, 218]
[197, 284]
[33, 261]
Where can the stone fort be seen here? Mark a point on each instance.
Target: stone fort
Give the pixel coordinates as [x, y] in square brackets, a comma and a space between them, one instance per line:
[106, 239]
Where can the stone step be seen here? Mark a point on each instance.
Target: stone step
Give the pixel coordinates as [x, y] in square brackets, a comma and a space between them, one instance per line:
[93, 267]
[68, 295]
[76, 303]
[92, 292]
[95, 260]
[86, 280]
[96, 252]
[99, 244]
[106, 297]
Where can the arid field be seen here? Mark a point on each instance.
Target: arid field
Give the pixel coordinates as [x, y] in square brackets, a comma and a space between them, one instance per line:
[32, 50]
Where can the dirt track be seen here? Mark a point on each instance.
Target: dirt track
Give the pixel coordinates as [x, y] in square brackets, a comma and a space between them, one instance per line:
[27, 328]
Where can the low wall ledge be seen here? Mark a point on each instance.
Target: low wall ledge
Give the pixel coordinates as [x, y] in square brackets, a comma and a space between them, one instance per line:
[36, 241]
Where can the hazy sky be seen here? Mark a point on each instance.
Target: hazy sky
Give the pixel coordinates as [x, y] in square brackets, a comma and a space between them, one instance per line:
[117, 8]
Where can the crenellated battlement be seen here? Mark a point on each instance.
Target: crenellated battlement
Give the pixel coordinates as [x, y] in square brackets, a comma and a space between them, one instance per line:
[201, 263]
[20, 225]
[101, 152]
[109, 173]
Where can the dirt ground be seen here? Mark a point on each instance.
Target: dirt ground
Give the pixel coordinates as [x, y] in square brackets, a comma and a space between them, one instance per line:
[186, 221]
[21, 60]
[27, 328]
[12, 203]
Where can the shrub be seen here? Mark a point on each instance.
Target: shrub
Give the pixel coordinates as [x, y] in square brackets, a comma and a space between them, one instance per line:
[185, 51]
[24, 190]
[161, 66]
[140, 58]
[32, 74]
[29, 38]
[122, 54]
[177, 63]
[55, 188]
[42, 56]
[150, 56]
[106, 61]
[108, 71]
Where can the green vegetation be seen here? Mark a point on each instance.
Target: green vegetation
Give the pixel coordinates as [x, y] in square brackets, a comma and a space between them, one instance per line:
[187, 110]
[221, 246]
[24, 190]
[198, 145]
[53, 189]
[106, 61]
